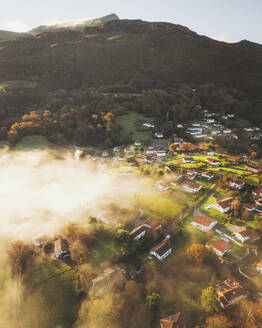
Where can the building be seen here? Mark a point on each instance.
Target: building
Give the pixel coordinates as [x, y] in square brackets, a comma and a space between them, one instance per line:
[231, 295]
[253, 168]
[227, 131]
[156, 151]
[138, 232]
[61, 248]
[191, 175]
[223, 205]
[159, 135]
[257, 192]
[148, 125]
[259, 267]
[204, 223]
[236, 184]
[162, 250]
[208, 175]
[137, 143]
[172, 321]
[108, 278]
[221, 247]
[189, 160]
[191, 186]
[245, 233]
[212, 161]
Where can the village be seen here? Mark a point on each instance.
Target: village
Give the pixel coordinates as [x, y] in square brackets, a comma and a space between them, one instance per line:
[217, 200]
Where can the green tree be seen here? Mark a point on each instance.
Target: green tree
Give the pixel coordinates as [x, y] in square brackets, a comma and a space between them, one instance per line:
[196, 253]
[209, 301]
[153, 301]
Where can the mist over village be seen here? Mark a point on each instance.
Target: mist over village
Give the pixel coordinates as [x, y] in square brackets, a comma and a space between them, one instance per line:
[131, 164]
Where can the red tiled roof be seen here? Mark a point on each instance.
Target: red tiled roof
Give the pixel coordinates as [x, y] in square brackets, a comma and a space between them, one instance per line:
[222, 245]
[204, 220]
[224, 203]
[192, 185]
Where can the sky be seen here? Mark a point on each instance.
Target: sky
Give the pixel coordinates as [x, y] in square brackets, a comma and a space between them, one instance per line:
[226, 20]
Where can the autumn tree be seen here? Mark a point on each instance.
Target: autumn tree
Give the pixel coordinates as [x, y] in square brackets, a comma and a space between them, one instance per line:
[19, 254]
[196, 253]
[218, 321]
[153, 301]
[209, 300]
[172, 148]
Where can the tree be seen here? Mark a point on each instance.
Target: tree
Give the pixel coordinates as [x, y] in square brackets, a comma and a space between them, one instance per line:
[218, 321]
[209, 301]
[196, 253]
[172, 148]
[19, 255]
[235, 206]
[153, 301]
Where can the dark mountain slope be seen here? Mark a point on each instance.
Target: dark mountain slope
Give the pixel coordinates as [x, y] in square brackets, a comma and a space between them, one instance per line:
[134, 53]
[7, 35]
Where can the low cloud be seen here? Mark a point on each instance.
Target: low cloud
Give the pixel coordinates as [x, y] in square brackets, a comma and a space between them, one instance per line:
[224, 38]
[14, 26]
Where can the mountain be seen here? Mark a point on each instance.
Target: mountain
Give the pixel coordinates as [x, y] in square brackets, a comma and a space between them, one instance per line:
[75, 25]
[130, 53]
[7, 35]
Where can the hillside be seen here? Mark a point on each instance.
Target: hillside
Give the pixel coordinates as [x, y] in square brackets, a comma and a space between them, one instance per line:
[134, 53]
[7, 35]
[87, 78]
[76, 25]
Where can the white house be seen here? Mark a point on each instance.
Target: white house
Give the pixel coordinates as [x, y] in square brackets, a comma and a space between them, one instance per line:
[204, 223]
[148, 125]
[212, 161]
[162, 250]
[227, 131]
[221, 247]
[189, 160]
[191, 175]
[223, 205]
[191, 186]
[236, 184]
[137, 143]
[179, 126]
[241, 233]
[138, 232]
[208, 175]
[159, 135]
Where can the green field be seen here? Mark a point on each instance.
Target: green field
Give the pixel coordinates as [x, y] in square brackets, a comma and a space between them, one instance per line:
[131, 124]
[33, 142]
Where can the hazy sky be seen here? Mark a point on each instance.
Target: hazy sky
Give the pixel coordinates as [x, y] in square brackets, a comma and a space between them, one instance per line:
[230, 20]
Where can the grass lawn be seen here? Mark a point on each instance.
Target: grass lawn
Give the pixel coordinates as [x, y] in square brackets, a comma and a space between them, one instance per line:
[192, 234]
[44, 268]
[131, 123]
[33, 142]
[105, 248]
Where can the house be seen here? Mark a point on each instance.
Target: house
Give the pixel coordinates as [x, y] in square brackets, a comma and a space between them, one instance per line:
[179, 126]
[253, 168]
[138, 232]
[108, 278]
[227, 131]
[221, 247]
[259, 267]
[189, 160]
[208, 175]
[191, 175]
[148, 125]
[191, 186]
[231, 295]
[257, 192]
[259, 202]
[137, 143]
[223, 205]
[170, 168]
[212, 161]
[159, 135]
[249, 207]
[61, 248]
[172, 321]
[162, 250]
[210, 153]
[162, 186]
[245, 233]
[178, 141]
[204, 223]
[236, 184]
[105, 154]
[156, 151]
[116, 149]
